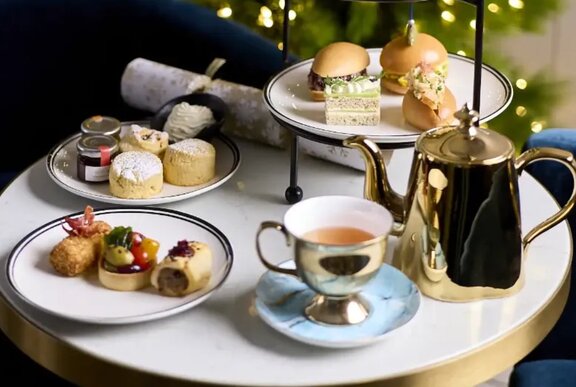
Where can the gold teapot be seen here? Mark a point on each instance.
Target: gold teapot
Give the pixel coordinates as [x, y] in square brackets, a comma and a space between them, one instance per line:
[459, 226]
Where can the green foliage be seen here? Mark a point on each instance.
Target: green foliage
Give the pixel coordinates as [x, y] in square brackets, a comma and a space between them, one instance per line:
[320, 22]
[363, 20]
[535, 104]
[318, 27]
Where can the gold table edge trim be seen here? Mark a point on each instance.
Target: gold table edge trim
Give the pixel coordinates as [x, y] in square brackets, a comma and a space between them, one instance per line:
[471, 368]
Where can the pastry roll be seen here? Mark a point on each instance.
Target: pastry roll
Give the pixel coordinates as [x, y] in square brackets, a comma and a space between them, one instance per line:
[186, 269]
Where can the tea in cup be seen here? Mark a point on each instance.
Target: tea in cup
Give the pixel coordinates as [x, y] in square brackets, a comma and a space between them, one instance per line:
[339, 244]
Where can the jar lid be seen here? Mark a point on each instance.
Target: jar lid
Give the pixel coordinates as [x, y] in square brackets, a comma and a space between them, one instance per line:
[109, 126]
[89, 144]
[465, 143]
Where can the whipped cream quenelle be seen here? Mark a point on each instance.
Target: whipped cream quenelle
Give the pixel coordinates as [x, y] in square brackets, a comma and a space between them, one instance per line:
[186, 121]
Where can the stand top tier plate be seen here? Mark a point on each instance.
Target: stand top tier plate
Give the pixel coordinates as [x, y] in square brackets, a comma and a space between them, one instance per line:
[286, 96]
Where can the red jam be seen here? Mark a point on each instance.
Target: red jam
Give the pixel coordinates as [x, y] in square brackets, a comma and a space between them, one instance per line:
[95, 154]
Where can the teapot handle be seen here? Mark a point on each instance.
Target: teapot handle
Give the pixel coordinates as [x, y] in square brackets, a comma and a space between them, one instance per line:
[551, 154]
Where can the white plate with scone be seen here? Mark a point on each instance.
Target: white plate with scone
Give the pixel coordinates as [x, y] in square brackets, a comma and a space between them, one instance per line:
[61, 165]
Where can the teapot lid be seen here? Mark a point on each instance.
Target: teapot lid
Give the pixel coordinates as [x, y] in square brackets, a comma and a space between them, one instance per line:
[465, 143]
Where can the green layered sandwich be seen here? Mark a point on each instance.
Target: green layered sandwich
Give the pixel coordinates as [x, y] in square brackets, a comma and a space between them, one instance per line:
[353, 102]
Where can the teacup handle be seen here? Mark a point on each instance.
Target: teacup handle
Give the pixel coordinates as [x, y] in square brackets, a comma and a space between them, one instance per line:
[551, 154]
[278, 227]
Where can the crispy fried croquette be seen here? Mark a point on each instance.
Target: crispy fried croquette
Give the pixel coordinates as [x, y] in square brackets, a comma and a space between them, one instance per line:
[81, 248]
[97, 229]
[73, 255]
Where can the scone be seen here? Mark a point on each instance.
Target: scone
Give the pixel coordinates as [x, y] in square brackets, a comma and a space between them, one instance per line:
[189, 162]
[143, 139]
[186, 269]
[136, 175]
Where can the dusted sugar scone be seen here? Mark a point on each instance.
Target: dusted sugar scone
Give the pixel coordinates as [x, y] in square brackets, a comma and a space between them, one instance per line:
[186, 269]
[143, 139]
[190, 162]
[354, 102]
[136, 175]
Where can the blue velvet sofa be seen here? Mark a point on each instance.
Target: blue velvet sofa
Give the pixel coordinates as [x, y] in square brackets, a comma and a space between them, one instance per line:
[553, 362]
[62, 61]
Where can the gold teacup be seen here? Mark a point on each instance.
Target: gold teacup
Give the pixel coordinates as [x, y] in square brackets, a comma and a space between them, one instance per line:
[339, 244]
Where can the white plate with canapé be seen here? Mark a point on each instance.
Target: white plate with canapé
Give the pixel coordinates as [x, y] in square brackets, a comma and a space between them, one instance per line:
[287, 97]
[61, 167]
[83, 298]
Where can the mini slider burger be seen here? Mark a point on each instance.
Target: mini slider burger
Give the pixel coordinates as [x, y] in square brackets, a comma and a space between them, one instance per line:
[340, 60]
[403, 53]
[428, 103]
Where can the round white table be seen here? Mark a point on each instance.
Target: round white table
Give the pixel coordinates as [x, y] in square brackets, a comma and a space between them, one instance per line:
[223, 342]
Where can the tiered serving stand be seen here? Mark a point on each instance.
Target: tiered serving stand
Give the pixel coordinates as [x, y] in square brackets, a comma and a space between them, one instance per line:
[286, 96]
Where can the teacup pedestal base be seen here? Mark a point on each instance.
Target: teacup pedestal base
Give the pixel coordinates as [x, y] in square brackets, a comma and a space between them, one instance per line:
[337, 310]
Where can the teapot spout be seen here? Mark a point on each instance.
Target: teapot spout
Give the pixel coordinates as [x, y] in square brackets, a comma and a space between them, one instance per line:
[376, 185]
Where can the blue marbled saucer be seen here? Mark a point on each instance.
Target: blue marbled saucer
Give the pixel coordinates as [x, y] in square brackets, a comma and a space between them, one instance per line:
[281, 299]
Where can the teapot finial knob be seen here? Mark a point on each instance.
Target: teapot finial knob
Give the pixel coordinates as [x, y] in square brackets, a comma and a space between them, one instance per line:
[468, 120]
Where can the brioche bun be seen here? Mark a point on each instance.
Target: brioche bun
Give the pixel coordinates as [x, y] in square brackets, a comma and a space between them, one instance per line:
[398, 57]
[421, 116]
[392, 86]
[338, 59]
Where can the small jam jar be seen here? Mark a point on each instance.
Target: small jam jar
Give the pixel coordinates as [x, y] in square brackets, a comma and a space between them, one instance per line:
[95, 154]
[108, 126]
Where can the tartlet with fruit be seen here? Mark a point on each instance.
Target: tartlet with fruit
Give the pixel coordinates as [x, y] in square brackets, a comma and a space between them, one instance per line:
[127, 259]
